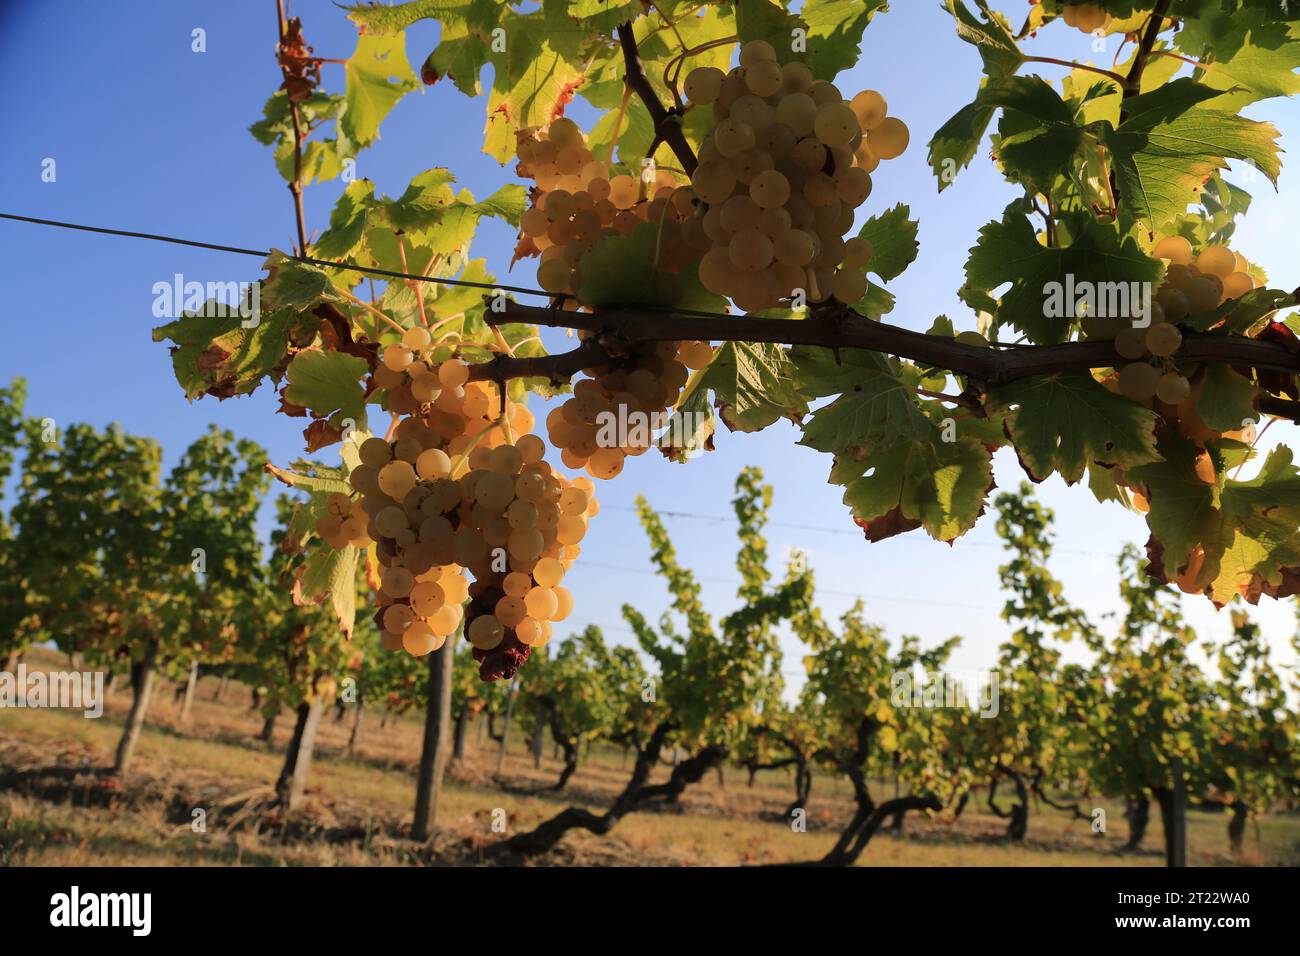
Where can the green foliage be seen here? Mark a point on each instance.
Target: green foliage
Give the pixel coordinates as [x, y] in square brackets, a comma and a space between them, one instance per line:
[716, 678]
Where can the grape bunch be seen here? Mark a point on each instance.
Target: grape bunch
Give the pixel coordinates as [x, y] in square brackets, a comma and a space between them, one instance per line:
[780, 175]
[577, 201]
[1193, 284]
[612, 413]
[455, 490]
[1088, 17]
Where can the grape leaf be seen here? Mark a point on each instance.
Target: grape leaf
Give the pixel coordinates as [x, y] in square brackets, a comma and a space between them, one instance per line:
[295, 285]
[347, 222]
[1037, 135]
[617, 271]
[835, 29]
[892, 235]
[1246, 56]
[389, 19]
[1170, 146]
[330, 573]
[691, 426]
[873, 406]
[1227, 400]
[219, 356]
[322, 159]
[1067, 421]
[1180, 504]
[938, 485]
[328, 383]
[377, 76]
[602, 16]
[753, 385]
[953, 146]
[1010, 251]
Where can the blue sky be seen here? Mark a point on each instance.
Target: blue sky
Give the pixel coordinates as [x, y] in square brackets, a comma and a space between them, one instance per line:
[148, 135]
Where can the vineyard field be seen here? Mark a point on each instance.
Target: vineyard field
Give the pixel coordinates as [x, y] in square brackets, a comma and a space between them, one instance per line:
[62, 819]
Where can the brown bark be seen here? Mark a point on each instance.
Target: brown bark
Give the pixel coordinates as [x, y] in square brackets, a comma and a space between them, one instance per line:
[142, 681]
[355, 735]
[1237, 826]
[267, 733]
[462, 725]
[637, 795]
[187, 699]
[437, 734]
[1137, 811]
[292, 785]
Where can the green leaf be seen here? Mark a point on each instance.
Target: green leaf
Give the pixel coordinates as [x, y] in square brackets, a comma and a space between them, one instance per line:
[938, 485]
[617, 271]
[602, 16]
[1170, 145]
[533, 81]
[1038, 134]
[332, 574]
[874, 406]
[691, 427]
[328, 383]
[390, 19]
[835, 29]
[753, 385]
[1180, 504]
[295, 285]
[954, 144]
[1227, 399]
[347, 222]
[421, 205]
[1010, 251]
[219, 356]
[892, 235]
[1067, 421]
[377, 76]
[1247, 56]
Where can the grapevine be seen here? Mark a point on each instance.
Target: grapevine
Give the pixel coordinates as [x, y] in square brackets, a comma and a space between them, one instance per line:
[699, 236]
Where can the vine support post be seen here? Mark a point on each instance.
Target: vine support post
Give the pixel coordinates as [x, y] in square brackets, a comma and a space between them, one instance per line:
[437, 736]
[292, 785]
[191, 683]
[142, 681]
[505, 730]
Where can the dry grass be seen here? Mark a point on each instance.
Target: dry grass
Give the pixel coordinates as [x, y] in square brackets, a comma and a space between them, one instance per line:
[56, 807]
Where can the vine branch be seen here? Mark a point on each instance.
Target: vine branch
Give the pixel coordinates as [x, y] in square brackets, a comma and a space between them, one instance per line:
[1133, 84]
[839, 327]
[667, 123]
[295, 186]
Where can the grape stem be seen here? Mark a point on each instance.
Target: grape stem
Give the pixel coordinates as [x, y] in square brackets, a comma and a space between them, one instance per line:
[1111, 75]
[1133, 84]
[834, 326]
[667, 124]
[295, 185]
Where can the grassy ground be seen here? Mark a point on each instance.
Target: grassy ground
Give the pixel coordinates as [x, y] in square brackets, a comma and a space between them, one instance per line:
[57, 809]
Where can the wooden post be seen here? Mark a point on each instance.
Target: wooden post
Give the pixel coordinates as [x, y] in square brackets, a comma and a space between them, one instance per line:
[437, 728]
[1177, 839]
[505, 731]
[297, 759]
[190, 684]
[356, 726]
[221, 687]
[537, 738]
[142, 679]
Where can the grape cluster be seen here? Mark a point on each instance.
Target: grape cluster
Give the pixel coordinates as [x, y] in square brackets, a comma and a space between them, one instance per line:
[454, 490]
[1193, 284]
[1088, 17]
[628, 394]
[780, 175]
[578, 201]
